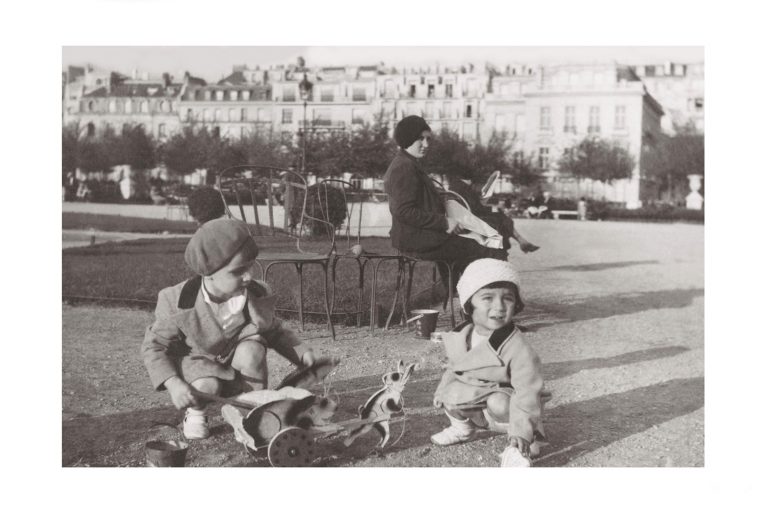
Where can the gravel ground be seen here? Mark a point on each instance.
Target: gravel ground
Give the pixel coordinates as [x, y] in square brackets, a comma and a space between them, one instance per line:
[615, 311]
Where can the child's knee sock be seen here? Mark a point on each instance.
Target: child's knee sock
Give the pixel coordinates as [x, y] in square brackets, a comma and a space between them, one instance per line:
[463, 425]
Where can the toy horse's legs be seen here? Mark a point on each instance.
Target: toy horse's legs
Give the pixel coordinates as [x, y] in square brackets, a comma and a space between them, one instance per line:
[355, 433]
[383, 429]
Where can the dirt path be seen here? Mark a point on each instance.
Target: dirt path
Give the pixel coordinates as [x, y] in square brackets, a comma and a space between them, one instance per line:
[615, 310]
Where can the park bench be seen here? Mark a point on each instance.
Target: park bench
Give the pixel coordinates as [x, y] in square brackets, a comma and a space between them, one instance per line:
[564, 213]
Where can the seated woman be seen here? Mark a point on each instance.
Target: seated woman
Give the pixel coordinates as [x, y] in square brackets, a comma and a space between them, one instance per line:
[462, 185]
[419, 225]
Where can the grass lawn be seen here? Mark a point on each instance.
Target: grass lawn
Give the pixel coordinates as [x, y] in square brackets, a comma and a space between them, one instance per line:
[136, 270]
[74, 220]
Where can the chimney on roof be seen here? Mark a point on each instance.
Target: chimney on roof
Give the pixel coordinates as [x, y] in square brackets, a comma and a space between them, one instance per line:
[167, 79]
[135, 73]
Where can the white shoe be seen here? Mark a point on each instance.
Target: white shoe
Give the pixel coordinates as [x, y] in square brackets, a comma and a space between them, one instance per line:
[512, 458]
[196, 425]
[457, 432]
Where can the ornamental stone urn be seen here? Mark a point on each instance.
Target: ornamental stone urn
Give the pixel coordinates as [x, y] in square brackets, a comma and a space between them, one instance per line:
[694, 200]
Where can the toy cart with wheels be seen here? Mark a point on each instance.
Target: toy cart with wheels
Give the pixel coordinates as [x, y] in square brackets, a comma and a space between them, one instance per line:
[287, 421]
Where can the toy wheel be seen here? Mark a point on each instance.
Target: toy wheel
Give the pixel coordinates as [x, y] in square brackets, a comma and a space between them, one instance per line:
[292, 447]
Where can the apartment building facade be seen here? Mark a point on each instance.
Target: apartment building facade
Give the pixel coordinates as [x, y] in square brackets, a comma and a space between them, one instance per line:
[544, 109]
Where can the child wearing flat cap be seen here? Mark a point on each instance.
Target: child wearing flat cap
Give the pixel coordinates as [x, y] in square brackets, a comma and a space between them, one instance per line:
[493, 380]
[212, 332]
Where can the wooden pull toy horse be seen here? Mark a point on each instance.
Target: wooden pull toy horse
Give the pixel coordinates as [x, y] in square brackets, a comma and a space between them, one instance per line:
[382, 405]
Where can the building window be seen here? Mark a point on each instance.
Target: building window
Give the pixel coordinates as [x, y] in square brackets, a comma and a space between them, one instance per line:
[289, 94]
[232, 115]
[543, 158]
[161, 131]
[90, 106]
[412, 91]
[449, 90]
[264, 115]
[545, 119]
[429, 110]
[446, 110]
[358, 94]
[594, 120]
[243, 132]
[144, 107]
[519, 124]
[128, 107]
[620, 121]
[217, 115]
[90, 130]
[431, 91]
[411, 109]
[570, 120]
[287, 115]
[358, 116]
[243, 114]
[468, 111]
[500, 123]
[322, 117]
[232, 95]
[207, 95]
[112, 106]
[326, 94]
[206, 115]
[246, 95]
[219, 95]
[389, 89]
[189, 115]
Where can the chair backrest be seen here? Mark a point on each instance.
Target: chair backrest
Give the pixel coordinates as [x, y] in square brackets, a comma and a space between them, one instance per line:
[280, 191]
[352, 218]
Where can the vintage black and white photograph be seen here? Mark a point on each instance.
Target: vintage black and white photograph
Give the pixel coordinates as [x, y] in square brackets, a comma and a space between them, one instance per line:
[383, 256]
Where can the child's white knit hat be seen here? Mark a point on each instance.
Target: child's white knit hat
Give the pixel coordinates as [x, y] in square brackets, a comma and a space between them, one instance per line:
[480, 273]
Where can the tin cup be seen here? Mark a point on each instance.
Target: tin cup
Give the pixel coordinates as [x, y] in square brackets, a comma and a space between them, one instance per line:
[166, 454]
[426, 322]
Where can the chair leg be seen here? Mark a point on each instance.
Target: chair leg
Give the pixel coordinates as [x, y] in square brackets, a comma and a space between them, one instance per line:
[301, 295]
[334, 261]
[361, 286]
[450, 293]
[327, 304]
[397, 292]
[407, 295]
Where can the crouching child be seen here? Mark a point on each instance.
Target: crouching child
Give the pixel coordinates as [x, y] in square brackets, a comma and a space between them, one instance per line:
[494, 379]
[211, 333]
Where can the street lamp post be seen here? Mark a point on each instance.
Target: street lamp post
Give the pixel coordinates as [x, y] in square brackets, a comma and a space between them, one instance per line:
[305, 91]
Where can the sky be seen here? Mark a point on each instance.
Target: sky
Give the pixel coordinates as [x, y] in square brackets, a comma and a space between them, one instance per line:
[214, 62]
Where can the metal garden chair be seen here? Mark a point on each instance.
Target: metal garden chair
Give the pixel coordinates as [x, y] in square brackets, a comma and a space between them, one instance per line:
[352, 228]
[292, 244]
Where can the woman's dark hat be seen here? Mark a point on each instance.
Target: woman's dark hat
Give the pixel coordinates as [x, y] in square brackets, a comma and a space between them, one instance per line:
[409, 129]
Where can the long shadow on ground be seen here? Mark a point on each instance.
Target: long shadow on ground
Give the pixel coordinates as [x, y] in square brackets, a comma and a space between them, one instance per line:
[573, 429]
[593, 267]
[562, 369]
[542, 315]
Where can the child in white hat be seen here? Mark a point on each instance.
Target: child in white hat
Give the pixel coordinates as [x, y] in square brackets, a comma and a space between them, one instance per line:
[211, 333]
[494, 379]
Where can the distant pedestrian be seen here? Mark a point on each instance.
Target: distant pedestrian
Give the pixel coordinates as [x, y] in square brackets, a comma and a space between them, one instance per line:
[205, 204]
